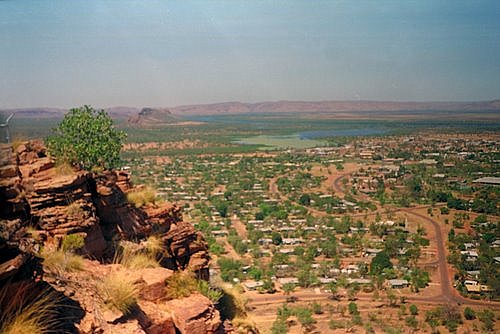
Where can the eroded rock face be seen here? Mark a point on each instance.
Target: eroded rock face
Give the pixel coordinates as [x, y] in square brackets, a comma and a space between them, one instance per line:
[57, 202]
[40, 199]
[195, 314]
[187, 249]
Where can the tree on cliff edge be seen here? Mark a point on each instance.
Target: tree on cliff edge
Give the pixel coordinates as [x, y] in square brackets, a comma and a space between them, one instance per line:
[86, 137]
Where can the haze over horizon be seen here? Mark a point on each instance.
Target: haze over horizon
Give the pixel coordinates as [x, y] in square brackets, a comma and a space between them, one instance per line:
[156, 53]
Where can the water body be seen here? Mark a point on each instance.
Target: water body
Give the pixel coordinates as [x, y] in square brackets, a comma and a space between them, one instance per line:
[306, 139]
[341, 133]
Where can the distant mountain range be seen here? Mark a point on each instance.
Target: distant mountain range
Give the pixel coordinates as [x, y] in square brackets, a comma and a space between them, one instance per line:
[147, 116]
[332, 106]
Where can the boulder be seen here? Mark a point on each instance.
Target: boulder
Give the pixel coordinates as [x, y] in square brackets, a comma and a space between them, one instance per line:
[195, 315]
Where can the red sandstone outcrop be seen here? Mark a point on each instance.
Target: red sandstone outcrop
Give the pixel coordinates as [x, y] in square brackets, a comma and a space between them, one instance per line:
[37, 197]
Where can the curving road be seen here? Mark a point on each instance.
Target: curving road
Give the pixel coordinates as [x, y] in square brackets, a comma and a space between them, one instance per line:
[448, 293]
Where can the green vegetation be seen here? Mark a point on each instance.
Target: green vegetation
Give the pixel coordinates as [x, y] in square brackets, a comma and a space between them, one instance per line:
[380, 262]
[87, 138]
[469, 314]
[72, 242]
[59, 261]
[180, 285]
[304, 316]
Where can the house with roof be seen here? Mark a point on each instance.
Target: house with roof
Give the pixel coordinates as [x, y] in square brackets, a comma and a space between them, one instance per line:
[398, 283]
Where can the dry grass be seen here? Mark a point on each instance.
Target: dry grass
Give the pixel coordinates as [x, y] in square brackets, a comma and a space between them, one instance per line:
[142, 196]
[23, 316]
[74, 209]
[180, 285]
[244, 325]
[58, 261]
[154, 246]
[232, 303]
[33, 232]
[118, 292]
[64, 168]
[18, 141]
[131, 256]
[140, 261]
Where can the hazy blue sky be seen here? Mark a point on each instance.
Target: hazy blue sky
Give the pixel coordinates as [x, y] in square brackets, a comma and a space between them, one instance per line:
[166, 53]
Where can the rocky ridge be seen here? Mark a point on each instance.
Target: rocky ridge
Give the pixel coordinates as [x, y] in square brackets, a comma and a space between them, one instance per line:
[40, 199]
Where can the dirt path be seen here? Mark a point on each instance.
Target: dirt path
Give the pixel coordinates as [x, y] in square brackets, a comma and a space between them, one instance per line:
[448, 293]
[239, 227]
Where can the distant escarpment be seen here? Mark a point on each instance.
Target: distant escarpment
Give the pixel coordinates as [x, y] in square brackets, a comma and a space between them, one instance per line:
[150, 117]
[41, 204]
[343, 108]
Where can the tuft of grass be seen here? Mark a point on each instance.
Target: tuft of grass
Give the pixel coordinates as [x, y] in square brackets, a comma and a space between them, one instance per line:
[74, 209]
[64, 168]
[131, 256]
[140, 261]
[118, 292]
[58, 261]
[33, 232]
[180, 285]
[154, 246]
[142, 196]
[24, 315]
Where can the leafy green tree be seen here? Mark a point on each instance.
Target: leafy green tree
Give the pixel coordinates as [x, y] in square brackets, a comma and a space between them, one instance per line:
[304, 315]
[305, 199]
[86, 137]
[279, 326]
[380, 262]
[276, 237]
[353, 308]
[333, 288]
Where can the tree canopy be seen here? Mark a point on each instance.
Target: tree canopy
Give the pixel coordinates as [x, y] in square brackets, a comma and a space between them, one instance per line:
[86, 137]
[380, 262]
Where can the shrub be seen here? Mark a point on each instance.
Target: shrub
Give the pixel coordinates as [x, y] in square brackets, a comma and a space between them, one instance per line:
[205, 289]
[411, 322]
[279, 326]
[232, 304]
[469, 313]
[353, 308]
[180, 285]
[413, 309]
[316, 308]
[487, 317]
[72, 242]
[86, 137]
[118, 292]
